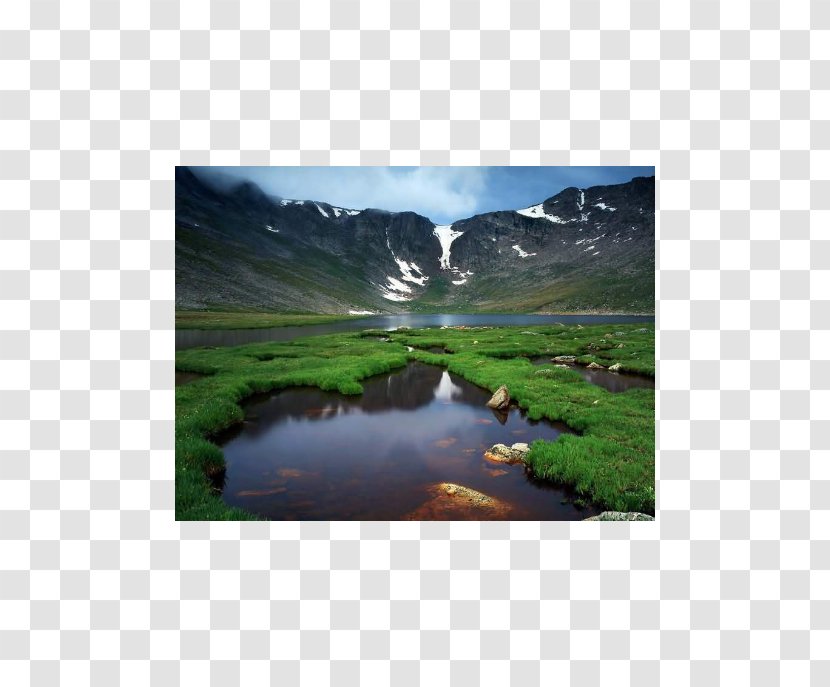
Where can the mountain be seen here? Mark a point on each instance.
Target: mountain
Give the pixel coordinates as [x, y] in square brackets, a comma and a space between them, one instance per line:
[581, 250]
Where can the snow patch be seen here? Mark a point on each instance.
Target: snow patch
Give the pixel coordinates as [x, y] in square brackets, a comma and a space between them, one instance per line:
[338, 211]
[460, 282]
[538, 212]
[581, 202]
[389, 296]
[394, 290]
[603, 206]
[397, 285]
[286, 201]
[322, 212]
[270, 228]
[589, 248]
[361, 312]
[521, 253]
[406, 271]
[445, 236]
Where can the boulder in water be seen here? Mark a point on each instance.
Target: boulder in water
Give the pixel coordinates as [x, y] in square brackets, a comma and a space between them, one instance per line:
[615, 367]
[594, 366]
[500, 453]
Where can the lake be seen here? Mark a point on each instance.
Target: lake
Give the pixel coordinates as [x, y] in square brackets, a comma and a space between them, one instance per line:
[190, 338]
[307, 454]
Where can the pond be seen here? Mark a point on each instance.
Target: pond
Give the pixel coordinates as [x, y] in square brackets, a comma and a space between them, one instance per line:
[189, 338]
[387, 454]
[615, 382]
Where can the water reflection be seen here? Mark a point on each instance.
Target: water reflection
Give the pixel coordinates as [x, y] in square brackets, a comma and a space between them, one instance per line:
[309, 454]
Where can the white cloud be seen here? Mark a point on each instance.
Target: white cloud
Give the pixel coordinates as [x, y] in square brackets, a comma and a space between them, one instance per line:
[443, 194]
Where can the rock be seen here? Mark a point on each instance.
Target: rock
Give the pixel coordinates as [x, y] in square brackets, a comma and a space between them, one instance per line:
[620, 345]
[617, 516]
[594, 366]
[564, 358]
[608, 336]
[615, 367]
[500, 453]
[619, 333]
[500, 399]
[531, 333]
[455, 502]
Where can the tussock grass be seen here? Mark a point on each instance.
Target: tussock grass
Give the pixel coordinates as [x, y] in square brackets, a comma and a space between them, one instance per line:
[610, 462]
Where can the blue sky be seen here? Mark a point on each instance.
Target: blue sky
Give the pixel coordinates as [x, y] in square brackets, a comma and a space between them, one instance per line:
[444, 194]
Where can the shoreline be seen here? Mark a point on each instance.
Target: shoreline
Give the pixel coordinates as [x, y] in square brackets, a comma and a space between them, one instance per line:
[209, 320]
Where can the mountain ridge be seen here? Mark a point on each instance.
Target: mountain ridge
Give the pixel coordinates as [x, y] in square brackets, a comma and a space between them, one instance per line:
[239, 248]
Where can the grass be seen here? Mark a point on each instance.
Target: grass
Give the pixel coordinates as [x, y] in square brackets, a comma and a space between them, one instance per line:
[207, 319]
[609, 463]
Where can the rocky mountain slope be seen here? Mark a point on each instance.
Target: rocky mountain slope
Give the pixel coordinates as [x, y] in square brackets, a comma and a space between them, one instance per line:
[581, 250]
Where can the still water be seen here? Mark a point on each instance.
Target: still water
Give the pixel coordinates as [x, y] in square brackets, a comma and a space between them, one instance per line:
[308, 454]
[615, 382]
[189, 338]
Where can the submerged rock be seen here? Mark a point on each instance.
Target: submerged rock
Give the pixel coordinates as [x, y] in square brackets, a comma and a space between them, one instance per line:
[500, 453]
[594, 366]
[617, 516]
[500, 399]
[455, 502]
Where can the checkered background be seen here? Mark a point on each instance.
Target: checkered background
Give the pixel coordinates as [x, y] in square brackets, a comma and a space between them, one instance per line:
[99, 100]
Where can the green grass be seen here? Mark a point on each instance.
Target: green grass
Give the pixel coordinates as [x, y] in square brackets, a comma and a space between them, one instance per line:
[610, 462]
[207, 319]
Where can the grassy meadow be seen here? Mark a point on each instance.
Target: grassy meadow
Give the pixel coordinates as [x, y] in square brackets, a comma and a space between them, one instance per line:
[609, 462]
[211, 319]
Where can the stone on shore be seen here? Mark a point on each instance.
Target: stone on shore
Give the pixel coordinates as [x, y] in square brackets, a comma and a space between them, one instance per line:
[500, 399]
[617, 516]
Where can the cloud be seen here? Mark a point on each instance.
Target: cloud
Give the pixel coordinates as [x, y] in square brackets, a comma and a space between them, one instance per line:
[443, 194]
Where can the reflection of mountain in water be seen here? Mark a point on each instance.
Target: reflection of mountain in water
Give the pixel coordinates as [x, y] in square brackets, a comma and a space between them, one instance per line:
[446, 390]
[412, 387]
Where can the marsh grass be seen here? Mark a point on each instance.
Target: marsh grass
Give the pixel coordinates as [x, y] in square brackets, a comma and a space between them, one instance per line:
[211, 319]
[610, 462]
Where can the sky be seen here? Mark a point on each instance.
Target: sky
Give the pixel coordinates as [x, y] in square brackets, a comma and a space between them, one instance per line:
[443, 194]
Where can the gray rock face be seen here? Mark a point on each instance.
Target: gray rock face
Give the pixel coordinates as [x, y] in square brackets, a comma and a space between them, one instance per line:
[500, 399]
[617, 516]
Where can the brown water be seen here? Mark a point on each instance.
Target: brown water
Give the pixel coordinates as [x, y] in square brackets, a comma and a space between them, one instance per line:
[615, 382]
[189, 338]
[308, 454]
[186, 377]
